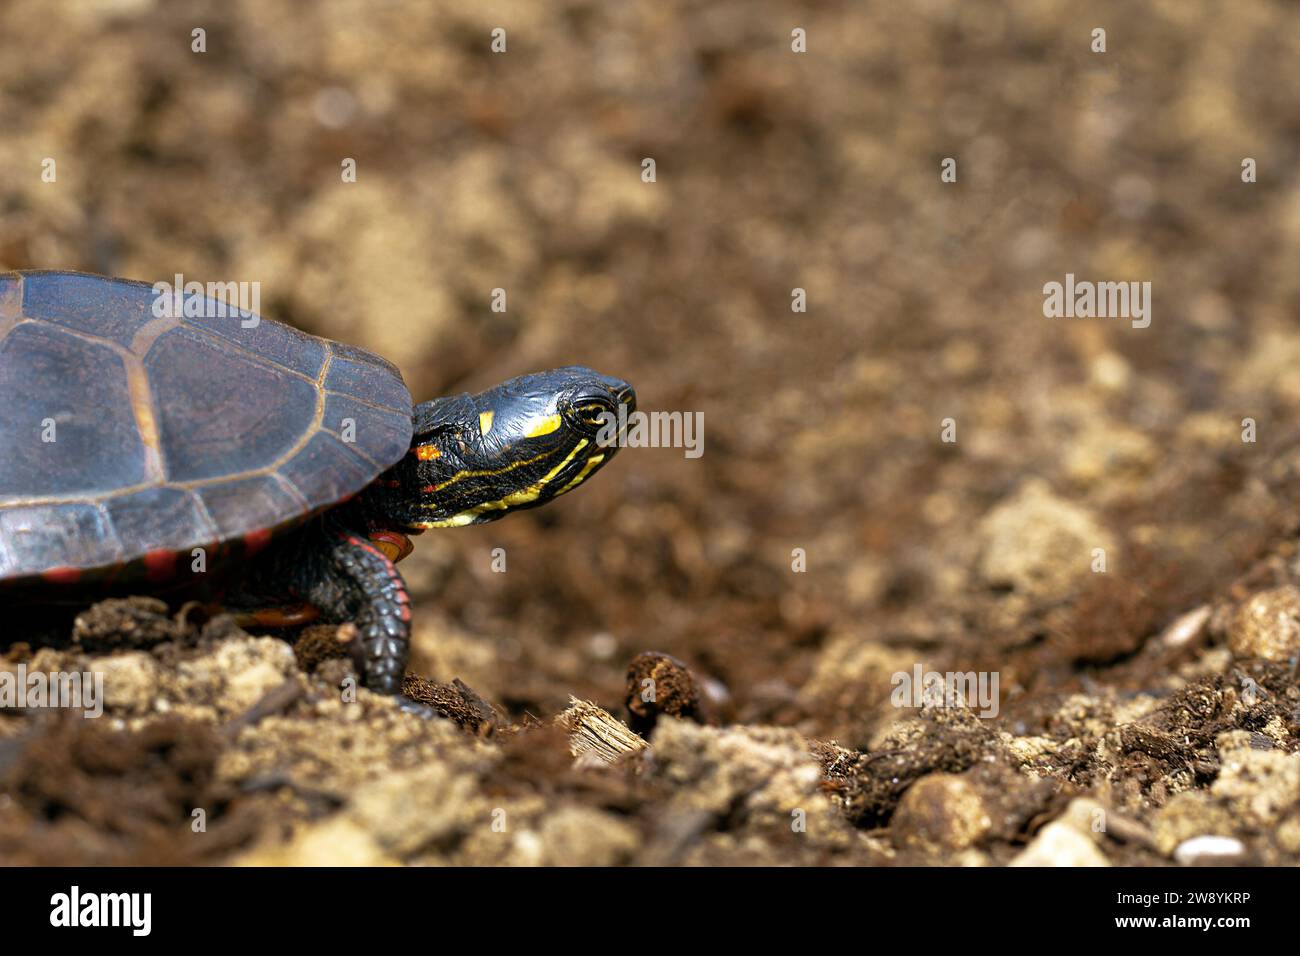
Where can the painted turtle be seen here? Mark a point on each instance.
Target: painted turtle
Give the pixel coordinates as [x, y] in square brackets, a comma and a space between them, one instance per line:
[149, 446]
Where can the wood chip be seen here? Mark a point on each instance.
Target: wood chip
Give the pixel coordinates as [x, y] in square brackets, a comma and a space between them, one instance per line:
[596, 734]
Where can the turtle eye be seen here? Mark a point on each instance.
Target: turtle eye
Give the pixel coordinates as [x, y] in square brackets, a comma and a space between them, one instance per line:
[588, 407]
[588, 413]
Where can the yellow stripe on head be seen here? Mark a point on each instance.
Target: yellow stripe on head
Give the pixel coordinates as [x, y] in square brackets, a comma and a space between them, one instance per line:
[543, 426]
[592, 464]
[485, 421]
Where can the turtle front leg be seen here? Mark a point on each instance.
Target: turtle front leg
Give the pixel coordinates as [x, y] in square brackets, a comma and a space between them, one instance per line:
[355, 581]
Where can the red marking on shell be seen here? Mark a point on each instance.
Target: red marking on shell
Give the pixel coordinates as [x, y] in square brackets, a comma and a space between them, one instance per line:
[255, 541]
[160, 565]
[62, 575]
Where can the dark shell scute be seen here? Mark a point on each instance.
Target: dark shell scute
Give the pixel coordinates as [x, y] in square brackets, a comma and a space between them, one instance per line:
[220, 413]
[354, 353]
[109, 310]
[173, 431]
[326, 470]
[249, 504]
[372, 381]
[48, 374]
[278, 343]
[29, 535]
[159, 519]
[384, 434]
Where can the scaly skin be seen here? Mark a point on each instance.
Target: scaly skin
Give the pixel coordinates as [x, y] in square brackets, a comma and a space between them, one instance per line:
[331, 565]
[474, 458]
[383, 611]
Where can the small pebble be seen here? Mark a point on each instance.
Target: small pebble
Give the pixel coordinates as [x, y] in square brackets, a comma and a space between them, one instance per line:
[1187, 627]
[1059, 844]
[1209, 849]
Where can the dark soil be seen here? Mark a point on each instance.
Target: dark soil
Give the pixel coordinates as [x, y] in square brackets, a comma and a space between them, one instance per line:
[1138, 707]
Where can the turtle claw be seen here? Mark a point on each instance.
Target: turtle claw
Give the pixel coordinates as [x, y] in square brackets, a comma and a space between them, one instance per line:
[358, 583]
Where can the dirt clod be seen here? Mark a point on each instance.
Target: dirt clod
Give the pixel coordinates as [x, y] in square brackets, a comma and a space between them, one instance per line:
[660, 684]
[127, 623]
[322, 642]
[455, 701]
[1268, 625]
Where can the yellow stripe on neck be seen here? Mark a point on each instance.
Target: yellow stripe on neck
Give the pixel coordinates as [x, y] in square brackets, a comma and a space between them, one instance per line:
[592, 464]
[515, 498]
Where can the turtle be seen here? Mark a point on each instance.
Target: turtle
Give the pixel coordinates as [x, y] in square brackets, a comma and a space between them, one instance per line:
[166, 441]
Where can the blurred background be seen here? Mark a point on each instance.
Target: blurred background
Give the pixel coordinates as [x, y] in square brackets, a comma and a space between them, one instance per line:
[775, 171]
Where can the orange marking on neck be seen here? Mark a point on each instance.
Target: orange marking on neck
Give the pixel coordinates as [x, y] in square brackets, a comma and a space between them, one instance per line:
[427, 452]
[393, 544]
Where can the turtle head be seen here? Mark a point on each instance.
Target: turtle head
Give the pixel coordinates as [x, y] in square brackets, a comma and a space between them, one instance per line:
[474, 458]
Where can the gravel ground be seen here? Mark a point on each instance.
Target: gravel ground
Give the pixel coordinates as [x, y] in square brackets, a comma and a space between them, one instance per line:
[1107, 535]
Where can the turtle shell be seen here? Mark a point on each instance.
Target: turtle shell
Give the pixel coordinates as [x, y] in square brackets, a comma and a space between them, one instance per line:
[130, 434]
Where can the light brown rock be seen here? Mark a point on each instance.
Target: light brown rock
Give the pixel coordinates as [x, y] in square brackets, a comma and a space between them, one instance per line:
[1268, 625]
[941, 811]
